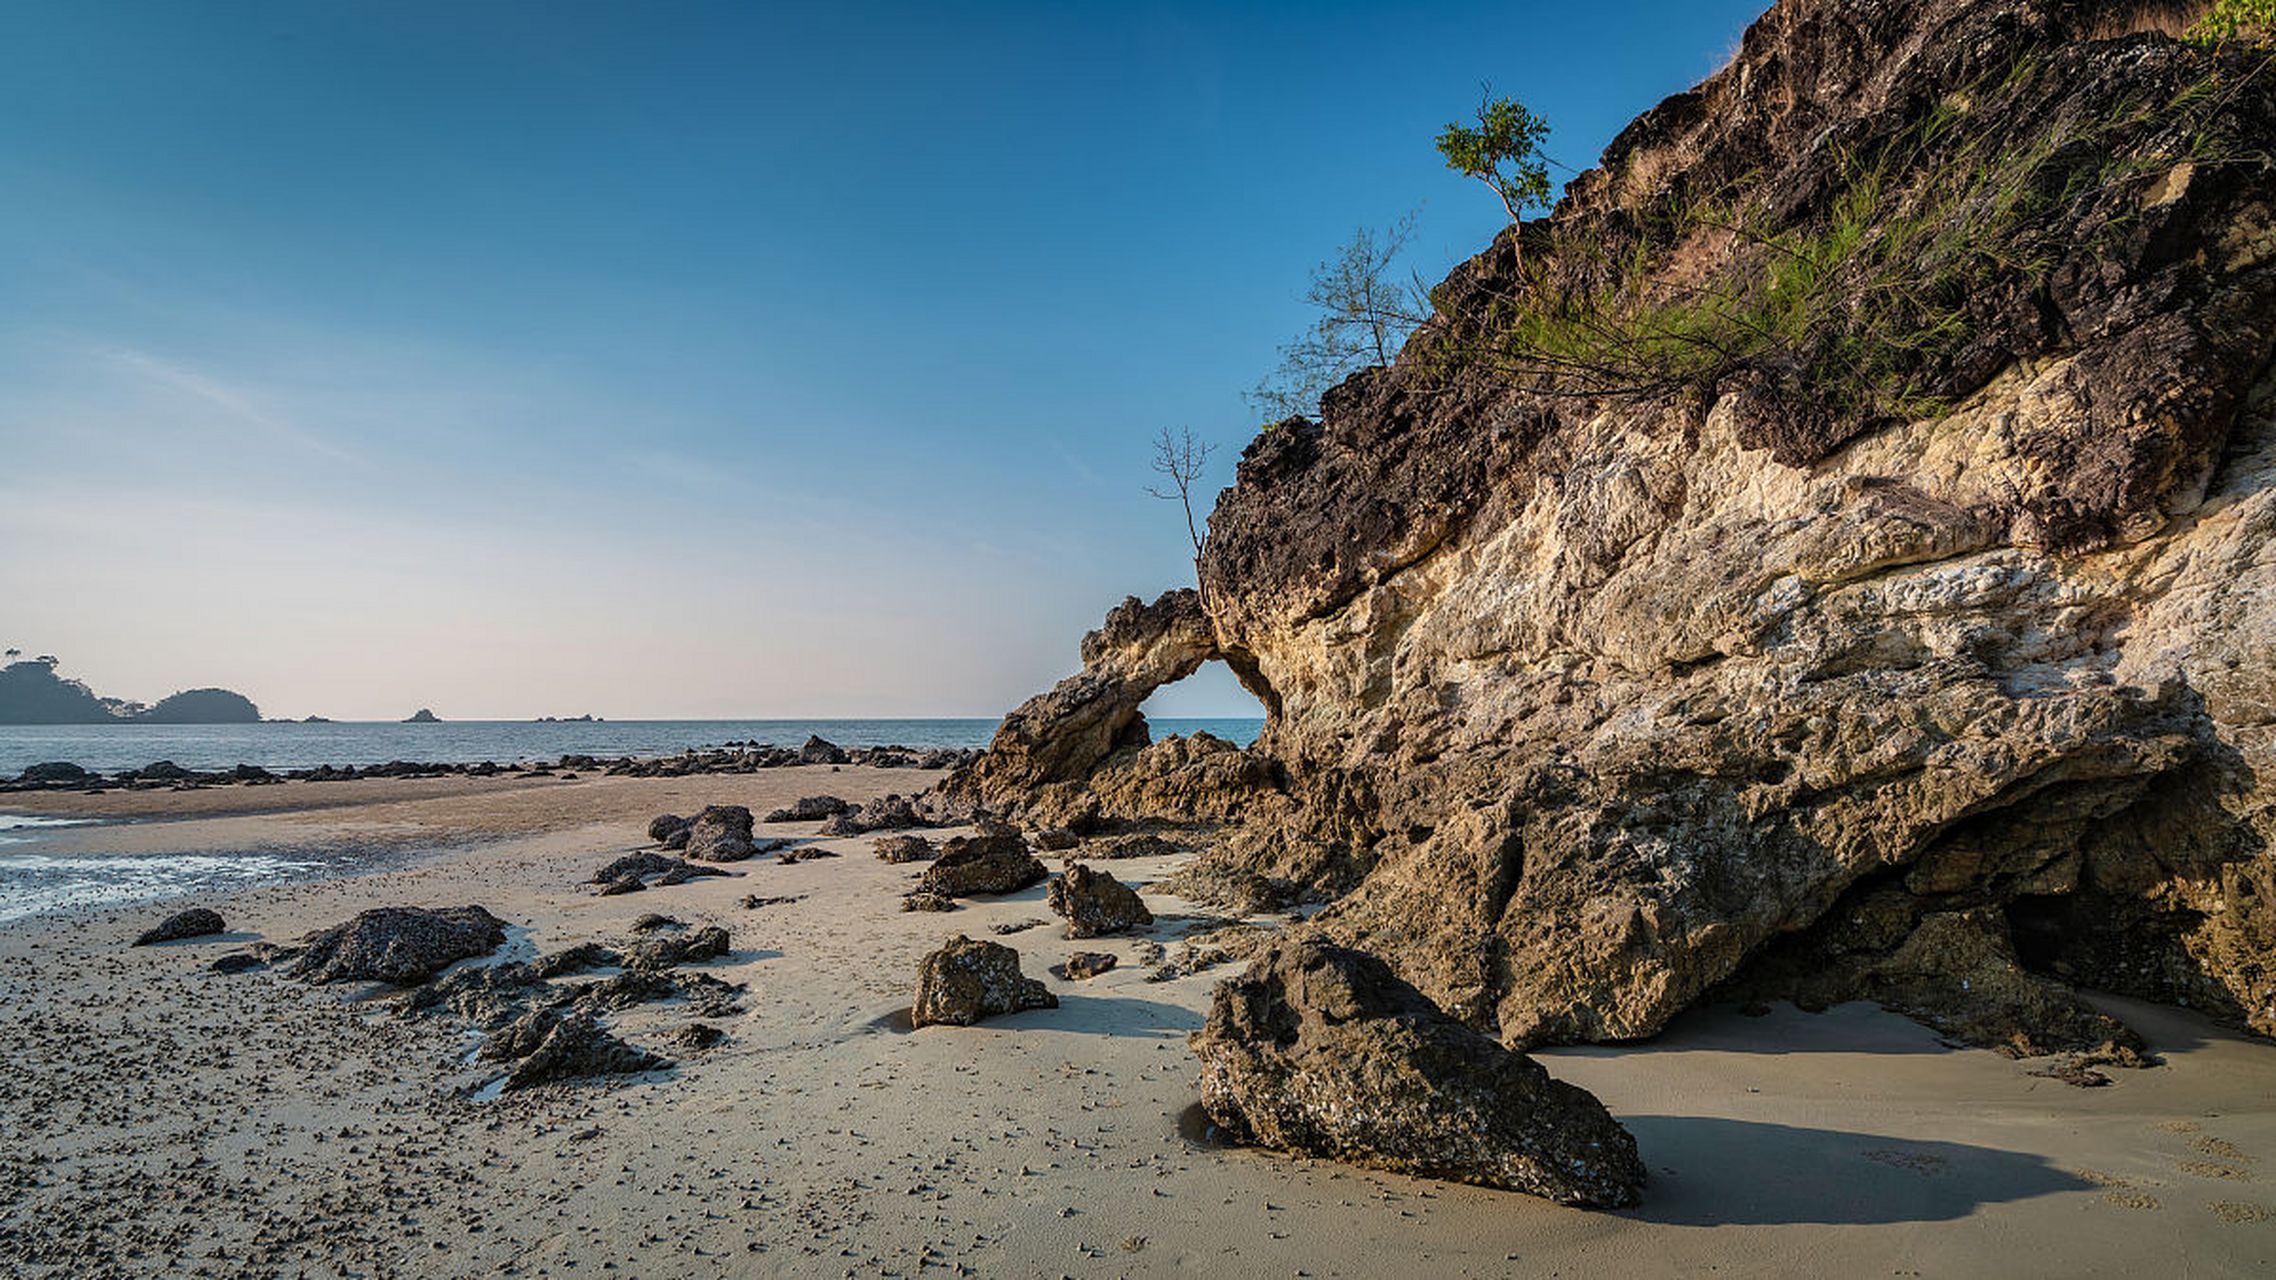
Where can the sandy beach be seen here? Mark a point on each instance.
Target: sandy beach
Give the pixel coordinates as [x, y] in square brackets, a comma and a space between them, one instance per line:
[162, 1119]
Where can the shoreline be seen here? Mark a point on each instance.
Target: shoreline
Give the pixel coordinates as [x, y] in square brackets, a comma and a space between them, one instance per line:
[168, 1119]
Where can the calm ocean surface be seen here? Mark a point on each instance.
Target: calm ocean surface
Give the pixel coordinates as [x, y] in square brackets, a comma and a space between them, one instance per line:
[107, 748]
[34, 880]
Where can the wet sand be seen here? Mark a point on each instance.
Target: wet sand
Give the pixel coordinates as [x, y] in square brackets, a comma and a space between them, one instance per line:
[158, 1119]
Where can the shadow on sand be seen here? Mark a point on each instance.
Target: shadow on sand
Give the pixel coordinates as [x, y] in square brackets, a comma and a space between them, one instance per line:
[1709, 1172]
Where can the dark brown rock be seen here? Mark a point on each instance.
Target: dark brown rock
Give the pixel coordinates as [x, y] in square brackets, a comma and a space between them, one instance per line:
[996, 863]
[546, 1046]
[810, 809]
[707, 943]
[1085, 965]
[400, 945]
[721, 833]
[1322, 1051]
[966, 981]
[1096, 903]
[904, 848]
[197, 922]
[662, 826]
[922, 901]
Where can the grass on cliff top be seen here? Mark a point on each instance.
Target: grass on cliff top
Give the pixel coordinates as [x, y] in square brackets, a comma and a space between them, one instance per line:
[1867, 306]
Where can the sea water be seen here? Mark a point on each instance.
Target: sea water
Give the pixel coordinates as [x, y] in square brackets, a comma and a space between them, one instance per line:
[108, 748]
[36, 879]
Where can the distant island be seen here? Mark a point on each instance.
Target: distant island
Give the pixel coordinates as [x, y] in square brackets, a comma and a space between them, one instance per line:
[32, 693]
[587, 718]
[422, 716]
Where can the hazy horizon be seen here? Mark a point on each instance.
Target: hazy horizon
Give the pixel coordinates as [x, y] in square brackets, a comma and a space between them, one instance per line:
[517, 361]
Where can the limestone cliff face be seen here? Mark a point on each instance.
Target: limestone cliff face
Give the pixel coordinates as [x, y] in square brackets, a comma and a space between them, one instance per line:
[1943, 677]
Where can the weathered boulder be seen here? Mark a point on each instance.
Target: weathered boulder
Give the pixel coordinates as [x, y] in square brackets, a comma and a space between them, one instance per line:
[721, 833]
[1096, 903]
[903, 849]
[966, 981]
[810, 809]
[920, 900]
[162, 771]
[1590, 690]
[1055, 839]
[663, 825]
[1082, 966]
[995, 864]
[1323, 1051]
[885, 813]
[707, 943]
[400, 945]
[819, 750]
[197, 922]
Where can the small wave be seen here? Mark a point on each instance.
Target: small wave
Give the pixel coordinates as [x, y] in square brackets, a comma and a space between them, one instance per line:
[35, 883]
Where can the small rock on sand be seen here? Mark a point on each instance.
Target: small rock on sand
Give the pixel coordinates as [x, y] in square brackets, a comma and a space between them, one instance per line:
[197, 922]
[1096, 903]
[966, 981]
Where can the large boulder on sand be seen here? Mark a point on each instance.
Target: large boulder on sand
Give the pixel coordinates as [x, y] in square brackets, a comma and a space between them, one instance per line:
[996, 862]
[1096, 903]
[1323, 1051]
[966, 981]
[197, 922]
[661, 827]
[721, 833]
[402, 945]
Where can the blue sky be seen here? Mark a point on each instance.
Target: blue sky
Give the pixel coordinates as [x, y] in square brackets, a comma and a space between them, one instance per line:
[686, 359]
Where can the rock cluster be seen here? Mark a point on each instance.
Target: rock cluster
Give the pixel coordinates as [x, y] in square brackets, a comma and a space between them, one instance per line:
[738, 758]
[966, 981]
[1321, 1050]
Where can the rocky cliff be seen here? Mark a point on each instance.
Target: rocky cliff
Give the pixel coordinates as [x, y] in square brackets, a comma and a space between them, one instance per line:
[1828, 557]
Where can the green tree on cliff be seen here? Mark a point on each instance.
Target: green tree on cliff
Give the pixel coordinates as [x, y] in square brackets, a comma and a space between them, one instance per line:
[1503, 151]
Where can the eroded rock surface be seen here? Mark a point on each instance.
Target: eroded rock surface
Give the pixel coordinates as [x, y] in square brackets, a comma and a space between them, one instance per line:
[1585, 700]
[1096, 903]
[1323, 1051]
[901, 849]
[721, 833]
[994, 863]
[966, 981]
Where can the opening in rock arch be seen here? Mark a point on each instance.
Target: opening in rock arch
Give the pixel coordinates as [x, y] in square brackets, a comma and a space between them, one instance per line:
[1210, 699]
